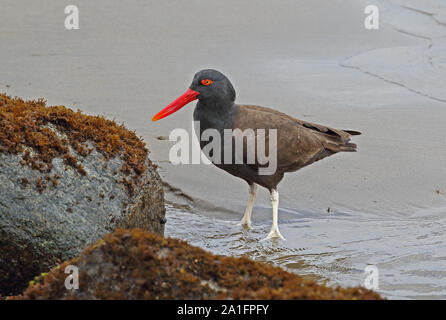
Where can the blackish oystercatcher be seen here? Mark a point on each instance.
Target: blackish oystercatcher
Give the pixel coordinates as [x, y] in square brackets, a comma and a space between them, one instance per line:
[298, 143]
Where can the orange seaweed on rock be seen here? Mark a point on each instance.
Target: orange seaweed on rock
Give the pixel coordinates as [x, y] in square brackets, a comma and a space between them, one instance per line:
[135, 264]
[27, 125]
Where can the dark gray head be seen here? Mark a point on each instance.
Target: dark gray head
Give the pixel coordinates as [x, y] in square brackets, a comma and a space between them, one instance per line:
[212, 85]
[209, 86]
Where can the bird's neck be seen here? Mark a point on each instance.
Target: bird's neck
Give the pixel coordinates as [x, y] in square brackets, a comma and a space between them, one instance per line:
[216, 114]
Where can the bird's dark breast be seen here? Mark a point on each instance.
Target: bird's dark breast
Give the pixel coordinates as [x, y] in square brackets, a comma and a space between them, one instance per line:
[209, 118]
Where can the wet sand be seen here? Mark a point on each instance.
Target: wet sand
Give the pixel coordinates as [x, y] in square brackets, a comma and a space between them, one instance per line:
[314, 61]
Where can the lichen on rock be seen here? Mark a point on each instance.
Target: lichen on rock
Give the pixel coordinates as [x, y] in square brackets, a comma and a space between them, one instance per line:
[67, 179]
[136, 264]
[43, 133]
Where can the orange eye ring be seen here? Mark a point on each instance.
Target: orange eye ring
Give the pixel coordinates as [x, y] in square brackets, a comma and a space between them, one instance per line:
[206, 82]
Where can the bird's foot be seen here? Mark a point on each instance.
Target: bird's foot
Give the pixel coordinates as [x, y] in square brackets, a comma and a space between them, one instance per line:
[245, 224]
[273, 234]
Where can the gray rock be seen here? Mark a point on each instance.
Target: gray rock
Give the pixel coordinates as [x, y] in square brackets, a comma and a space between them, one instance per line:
[41, 228]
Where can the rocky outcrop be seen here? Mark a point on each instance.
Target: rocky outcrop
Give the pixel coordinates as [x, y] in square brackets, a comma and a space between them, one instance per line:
[135, 264]
[66, 180]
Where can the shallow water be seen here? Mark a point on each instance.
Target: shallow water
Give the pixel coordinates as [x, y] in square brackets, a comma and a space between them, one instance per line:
[335, 248]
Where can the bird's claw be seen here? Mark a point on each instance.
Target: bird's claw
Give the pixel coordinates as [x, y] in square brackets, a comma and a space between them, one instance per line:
[274, 234]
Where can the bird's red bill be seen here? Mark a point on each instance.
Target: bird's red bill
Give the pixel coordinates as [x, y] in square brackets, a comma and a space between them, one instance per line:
[181, 101]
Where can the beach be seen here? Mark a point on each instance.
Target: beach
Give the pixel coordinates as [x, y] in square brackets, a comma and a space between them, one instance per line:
[384, 205]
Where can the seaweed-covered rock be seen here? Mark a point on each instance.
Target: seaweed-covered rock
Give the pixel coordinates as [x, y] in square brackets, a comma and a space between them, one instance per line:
[135, 264]
[66, 180]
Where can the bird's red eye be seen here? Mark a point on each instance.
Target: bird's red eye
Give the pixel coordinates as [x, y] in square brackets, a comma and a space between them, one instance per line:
[206, 82]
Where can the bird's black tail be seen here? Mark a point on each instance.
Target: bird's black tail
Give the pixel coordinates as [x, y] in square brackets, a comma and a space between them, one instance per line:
[348, 147]
[352, 132]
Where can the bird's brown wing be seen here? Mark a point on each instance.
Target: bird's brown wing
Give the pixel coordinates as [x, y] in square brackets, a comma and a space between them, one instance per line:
[299, 143]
